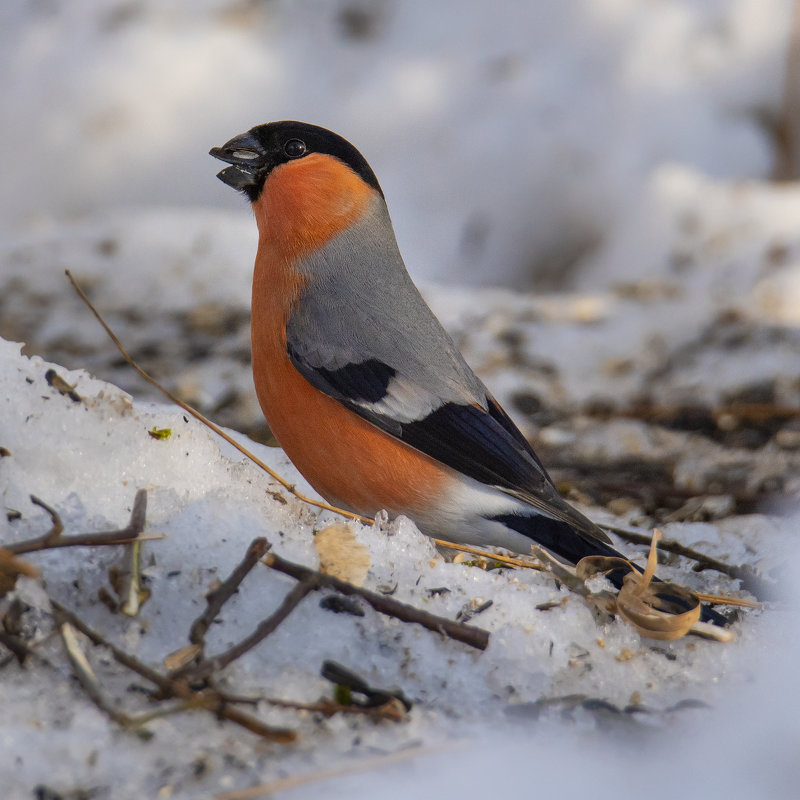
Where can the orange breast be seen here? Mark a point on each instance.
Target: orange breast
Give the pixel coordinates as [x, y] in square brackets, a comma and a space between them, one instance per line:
[346, 459]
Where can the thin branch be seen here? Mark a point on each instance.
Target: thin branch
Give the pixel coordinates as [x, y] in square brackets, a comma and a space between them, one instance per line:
[218, 662]
[217, 598]
[53, 538]
[131, 593]
[255, 725]
[175, 687]
[58, 526]
[166, 685]
[309, 580]
[475, 637]
[207, 422]
[91, 685]
[391, 710]
[514, 562]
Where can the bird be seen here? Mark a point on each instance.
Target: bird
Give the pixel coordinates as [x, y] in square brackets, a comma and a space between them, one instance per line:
[360, 384]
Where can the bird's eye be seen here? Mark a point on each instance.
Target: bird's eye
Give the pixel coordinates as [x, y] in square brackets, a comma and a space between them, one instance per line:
[294, 148]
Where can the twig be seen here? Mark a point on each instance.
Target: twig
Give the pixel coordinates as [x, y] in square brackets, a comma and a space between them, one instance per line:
[217, 598]
[514, 562]
[255, 725]
[91, 685]
[175, 687]
[53, 538]
[132, 595]
[751, 582]
[329, 708]
[309, 580]
[218, 662]
[119, 655]
[207, 422]
[475, 637]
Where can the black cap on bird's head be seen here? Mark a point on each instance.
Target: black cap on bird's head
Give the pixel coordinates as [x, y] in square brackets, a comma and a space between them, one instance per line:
[253, 155]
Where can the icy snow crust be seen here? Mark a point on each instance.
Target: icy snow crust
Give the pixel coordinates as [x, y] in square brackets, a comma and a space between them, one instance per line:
[88, 459]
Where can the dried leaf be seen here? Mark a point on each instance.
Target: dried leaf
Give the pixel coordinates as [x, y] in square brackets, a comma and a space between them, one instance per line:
[663, 611]
[340, 555]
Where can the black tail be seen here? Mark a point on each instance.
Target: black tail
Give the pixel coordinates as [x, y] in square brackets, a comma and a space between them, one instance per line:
[564, 542]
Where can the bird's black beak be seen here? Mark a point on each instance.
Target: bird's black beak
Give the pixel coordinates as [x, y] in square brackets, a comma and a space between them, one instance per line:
[247, 158]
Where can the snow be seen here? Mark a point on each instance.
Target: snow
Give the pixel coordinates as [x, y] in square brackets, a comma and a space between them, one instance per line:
[526, 131]
[88, 458]
[614, 155]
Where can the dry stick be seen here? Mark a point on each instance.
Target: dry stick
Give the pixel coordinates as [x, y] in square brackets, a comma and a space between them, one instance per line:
[165, 684]
[130, 593]
[171, 687]
[388, 710]
[475, 637]
[130, 589]
[514, 562]
[53, 538]
[91, 685]
[216, 599]
[207, 422]
[255, 725]
[290, 602]
[328, 708]
[750, 580]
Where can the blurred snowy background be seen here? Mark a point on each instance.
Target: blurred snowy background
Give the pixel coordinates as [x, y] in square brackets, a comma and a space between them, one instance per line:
[511, 139]
[599, 198]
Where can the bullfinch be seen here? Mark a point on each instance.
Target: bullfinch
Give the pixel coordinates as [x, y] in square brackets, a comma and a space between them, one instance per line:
[362, 387]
